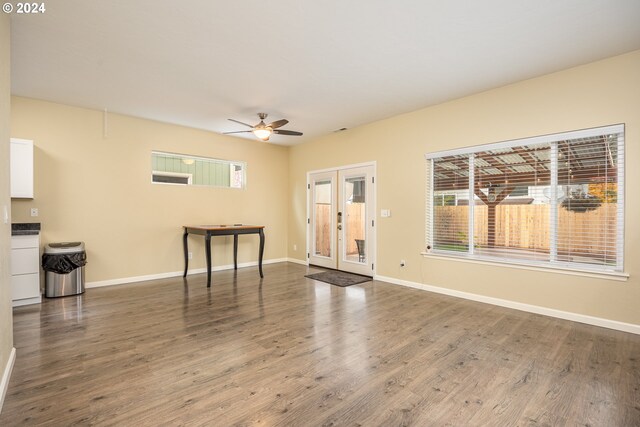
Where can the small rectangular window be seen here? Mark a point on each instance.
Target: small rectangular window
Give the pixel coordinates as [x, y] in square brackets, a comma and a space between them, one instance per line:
[181, 169]
[554, 200]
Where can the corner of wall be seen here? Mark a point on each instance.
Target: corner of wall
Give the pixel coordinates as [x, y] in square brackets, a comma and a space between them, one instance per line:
[7, 352]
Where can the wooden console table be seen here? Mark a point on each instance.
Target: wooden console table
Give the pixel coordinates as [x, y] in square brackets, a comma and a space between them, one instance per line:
[221, 230]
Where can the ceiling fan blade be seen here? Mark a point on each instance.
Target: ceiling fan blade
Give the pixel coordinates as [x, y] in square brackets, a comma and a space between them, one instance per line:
[287, 132]
[278, 123]
[239, 131]
[242, 123]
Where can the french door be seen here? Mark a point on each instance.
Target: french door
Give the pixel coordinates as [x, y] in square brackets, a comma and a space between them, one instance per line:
[342, 219]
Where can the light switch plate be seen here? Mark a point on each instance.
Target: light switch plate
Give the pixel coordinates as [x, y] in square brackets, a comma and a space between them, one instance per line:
[34, 211]
[385, 213]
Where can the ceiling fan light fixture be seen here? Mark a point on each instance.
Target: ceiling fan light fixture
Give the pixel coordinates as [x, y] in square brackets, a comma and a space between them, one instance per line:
[262, 133]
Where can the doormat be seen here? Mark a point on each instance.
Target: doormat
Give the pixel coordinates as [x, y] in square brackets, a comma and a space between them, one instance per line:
[339, 278]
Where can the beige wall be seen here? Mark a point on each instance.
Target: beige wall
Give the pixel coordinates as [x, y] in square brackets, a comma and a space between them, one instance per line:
[96, 187]
[597, 94]
[6, 329]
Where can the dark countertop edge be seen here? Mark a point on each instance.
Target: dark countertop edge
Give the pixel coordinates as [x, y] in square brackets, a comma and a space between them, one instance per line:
[25, 228]
[25, 232]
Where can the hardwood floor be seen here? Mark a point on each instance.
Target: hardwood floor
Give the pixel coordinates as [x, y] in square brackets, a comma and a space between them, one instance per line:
[294, 351]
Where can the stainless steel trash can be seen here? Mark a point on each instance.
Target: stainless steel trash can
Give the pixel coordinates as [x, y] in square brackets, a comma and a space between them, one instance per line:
[62, 285]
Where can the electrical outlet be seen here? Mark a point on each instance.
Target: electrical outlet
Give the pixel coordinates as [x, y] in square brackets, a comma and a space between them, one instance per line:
[190, 255]
[34, 211]
[402, 263]
[295, 247]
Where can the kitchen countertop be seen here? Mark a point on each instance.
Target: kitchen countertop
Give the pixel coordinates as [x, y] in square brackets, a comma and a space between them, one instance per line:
[25, 229]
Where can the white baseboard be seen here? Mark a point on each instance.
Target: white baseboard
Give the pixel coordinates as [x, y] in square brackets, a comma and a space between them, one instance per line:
[6, 376]
[27, 301]
[297, 261]
[581, 318]
[124, 280]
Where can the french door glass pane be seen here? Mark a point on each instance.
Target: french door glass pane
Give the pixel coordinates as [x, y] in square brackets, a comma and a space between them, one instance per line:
[322, 212]
[354, 220]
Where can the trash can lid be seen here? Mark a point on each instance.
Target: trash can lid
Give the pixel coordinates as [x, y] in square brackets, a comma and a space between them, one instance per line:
[63, 247]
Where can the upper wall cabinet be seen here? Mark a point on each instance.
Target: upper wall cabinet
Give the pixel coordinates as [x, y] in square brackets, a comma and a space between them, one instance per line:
[21, 168]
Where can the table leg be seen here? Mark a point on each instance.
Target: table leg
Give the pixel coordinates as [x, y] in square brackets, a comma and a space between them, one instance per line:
[261, 252]
[186, 253]
[207, 250]
[235, 251]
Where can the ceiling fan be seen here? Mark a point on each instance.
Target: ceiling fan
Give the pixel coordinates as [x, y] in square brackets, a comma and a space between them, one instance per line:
[263, 131]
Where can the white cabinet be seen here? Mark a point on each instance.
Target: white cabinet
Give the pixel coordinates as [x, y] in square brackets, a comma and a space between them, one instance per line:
[21, 168]
[24, 261]
[25, 270]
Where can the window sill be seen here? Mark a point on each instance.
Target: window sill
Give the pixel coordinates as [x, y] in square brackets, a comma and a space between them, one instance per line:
[608, 275]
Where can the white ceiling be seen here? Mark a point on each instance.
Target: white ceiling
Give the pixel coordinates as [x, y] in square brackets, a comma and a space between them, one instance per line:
[323, 65]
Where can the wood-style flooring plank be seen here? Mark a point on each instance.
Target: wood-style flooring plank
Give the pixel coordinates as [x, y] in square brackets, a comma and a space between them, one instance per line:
[288, 350]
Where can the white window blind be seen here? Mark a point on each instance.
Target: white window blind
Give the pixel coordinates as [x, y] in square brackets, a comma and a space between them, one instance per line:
[554, 200]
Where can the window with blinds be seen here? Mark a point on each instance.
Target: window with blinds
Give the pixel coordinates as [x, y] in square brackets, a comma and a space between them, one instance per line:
[554, 200]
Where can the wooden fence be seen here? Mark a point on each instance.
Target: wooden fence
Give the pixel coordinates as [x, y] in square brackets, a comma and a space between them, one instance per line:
[527, 227]
[353, 220]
